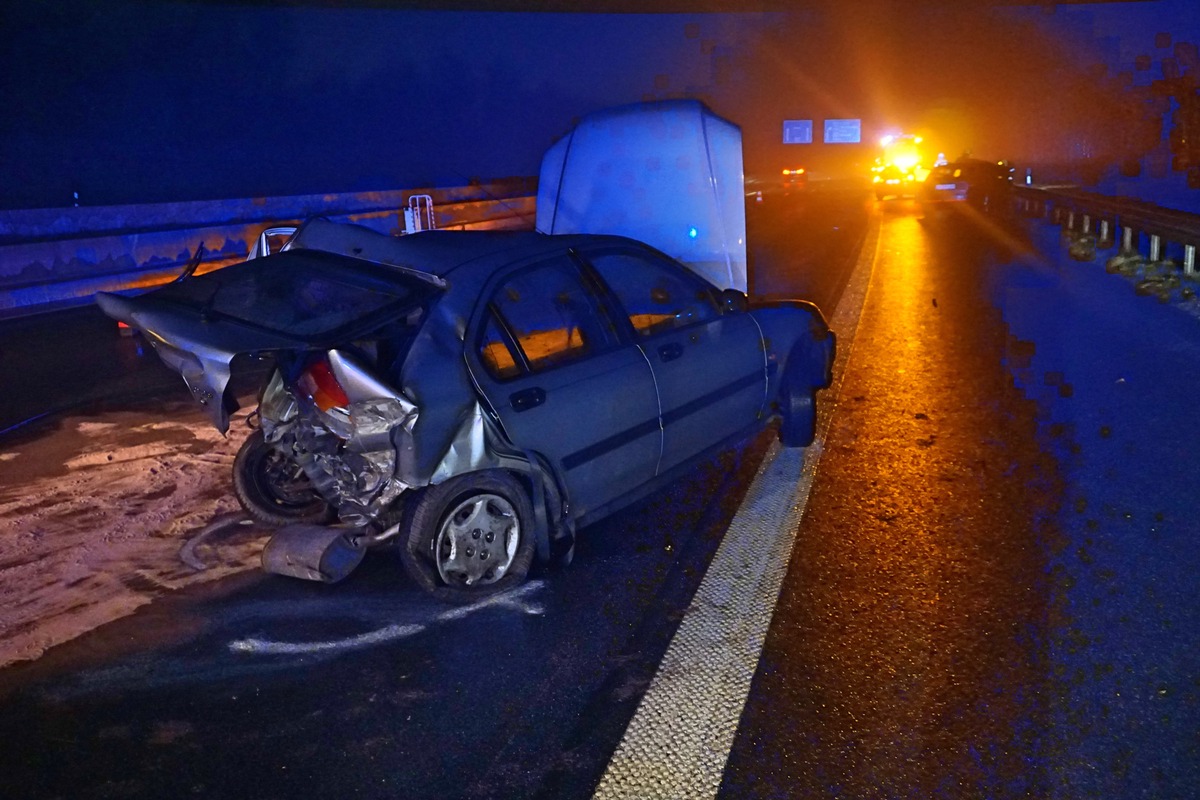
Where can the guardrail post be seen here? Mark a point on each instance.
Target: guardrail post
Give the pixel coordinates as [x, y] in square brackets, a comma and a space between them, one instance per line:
[1189, 259]
[1126, 239]
[1104, 230]
[1087, 224]
[1155, 247]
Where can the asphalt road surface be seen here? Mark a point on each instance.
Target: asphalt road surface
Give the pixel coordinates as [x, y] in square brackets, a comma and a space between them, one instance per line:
[938, 633]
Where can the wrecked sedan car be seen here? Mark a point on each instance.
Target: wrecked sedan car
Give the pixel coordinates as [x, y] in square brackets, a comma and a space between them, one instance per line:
[476, 396]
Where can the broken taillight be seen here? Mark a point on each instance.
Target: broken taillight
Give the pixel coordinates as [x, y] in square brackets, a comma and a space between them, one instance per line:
[321, 385]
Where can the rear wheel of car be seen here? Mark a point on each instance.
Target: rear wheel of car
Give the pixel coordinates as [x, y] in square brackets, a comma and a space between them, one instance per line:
[798, 407]
[272, 488]
[470, 536]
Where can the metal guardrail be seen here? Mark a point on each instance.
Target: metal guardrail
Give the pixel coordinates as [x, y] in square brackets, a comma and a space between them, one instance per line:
[58, 258]
[1140, 223]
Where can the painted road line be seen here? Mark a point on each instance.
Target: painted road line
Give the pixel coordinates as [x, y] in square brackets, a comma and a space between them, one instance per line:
[513, 600]
[679, 739]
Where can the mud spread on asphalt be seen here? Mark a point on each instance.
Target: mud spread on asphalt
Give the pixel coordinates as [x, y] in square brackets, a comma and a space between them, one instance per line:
[102, 512]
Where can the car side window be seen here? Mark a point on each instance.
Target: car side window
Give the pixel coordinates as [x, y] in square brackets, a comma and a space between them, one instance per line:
[553, 319]
[494, 351]
[657, 295]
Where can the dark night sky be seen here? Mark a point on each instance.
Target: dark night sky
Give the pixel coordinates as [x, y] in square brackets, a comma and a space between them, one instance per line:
[133, 101]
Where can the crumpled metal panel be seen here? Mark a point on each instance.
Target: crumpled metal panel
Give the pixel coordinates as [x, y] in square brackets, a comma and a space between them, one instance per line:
[374, 422]
[205, 372]
[358, 383]
[199, 350]
[468, 450]
[357, 472]
[351, 457]
[359, 484]
[277, 408]
[478, 444]
[364, 483]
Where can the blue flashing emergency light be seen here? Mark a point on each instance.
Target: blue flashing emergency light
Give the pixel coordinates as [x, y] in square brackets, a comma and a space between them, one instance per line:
[693, 233]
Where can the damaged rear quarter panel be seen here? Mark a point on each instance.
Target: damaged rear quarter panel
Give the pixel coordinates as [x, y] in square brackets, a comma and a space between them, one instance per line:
[450, 436]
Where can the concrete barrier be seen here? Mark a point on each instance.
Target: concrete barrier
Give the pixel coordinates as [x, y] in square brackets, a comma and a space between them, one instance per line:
[54, 258]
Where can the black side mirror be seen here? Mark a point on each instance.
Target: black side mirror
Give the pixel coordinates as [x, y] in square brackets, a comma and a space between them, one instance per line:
[734, 301]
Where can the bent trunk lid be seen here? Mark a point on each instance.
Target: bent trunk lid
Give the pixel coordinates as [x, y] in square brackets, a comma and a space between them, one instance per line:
[294, 300]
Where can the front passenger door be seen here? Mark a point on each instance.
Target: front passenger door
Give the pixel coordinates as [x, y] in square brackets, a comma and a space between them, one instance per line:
[709, 363]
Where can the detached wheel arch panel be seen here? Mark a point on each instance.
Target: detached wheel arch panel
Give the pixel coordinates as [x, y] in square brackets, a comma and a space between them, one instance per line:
[470, 536]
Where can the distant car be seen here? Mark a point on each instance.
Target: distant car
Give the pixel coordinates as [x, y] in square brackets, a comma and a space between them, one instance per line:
[795, 179]
[786, 182]
[477, 395]
[891, 181]
[984, 185]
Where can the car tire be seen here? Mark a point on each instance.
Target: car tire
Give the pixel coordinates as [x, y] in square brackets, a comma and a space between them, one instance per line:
[470, 536]
[271, 489]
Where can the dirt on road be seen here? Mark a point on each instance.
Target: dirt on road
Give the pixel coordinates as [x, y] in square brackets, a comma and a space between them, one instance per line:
[101, 513]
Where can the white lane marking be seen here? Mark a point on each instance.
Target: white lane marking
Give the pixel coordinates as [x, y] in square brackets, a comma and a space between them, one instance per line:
[679, 739]
[267, 647]
[513, 600]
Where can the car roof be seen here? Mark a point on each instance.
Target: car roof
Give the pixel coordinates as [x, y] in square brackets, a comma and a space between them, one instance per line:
[440, 252]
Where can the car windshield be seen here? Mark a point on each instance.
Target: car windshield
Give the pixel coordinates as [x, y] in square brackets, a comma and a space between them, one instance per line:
[305, 293]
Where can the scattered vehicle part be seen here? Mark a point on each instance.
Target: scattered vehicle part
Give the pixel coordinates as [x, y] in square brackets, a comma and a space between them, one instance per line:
[313, 552]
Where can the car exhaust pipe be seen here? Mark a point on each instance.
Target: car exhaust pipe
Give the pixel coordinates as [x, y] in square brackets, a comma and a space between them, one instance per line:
[314, 552]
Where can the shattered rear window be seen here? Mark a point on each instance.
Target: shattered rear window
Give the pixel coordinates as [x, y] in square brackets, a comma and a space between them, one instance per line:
[306, 293]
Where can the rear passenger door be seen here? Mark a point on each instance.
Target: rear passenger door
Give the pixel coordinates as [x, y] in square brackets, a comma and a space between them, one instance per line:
[549, 360]
[709, 363]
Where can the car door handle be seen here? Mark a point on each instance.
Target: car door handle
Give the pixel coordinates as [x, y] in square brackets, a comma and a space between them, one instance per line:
[671, 351]
[527, 398]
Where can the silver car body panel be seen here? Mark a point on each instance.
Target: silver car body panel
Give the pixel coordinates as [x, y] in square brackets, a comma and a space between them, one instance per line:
[199, 350]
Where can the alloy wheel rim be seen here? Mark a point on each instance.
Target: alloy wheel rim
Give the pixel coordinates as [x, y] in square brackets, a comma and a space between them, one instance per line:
[477, 541]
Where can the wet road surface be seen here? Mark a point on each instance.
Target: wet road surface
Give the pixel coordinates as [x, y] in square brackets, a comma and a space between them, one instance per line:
[905, 646]
[992, 592]
[962, 615]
